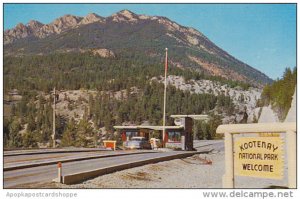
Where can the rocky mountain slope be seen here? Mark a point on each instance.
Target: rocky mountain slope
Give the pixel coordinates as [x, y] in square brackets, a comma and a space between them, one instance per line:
[125, 31]
[37, 29]
[244, 100]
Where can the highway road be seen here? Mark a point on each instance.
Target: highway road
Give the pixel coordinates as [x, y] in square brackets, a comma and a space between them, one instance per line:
[19, 160]
[216, 145]
[11, 160]
[51, 150]
[20, 178]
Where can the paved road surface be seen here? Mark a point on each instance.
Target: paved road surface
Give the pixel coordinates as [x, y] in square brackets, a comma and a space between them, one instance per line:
[49, 151]
[216, 145]
[19, 178]
[12, 161]
[267, 115]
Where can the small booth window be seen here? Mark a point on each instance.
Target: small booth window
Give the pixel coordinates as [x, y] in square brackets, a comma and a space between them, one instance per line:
[130, 134]
[174, 136]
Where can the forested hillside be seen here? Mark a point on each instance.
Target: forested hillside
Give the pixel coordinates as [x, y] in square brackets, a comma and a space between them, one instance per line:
[279, 94]
[140, 100]
[74, 71]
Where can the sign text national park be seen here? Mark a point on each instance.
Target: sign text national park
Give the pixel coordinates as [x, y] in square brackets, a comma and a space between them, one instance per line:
[259, 157]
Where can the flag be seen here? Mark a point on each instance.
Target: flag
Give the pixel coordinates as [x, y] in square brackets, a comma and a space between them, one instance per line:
[166, 61]
[166, 138]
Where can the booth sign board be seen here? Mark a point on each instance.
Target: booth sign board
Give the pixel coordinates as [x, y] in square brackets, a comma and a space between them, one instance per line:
[259, 157]
[269, 134]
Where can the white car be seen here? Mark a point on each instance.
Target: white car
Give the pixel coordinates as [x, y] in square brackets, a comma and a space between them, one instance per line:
[138, 143]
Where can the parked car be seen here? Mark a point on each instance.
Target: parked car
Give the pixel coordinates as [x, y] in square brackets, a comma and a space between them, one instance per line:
[138, 143]
[155, 143]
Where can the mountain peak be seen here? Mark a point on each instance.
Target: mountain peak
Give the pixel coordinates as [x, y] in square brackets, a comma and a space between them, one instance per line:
[20, 26]
[22, 29]
[91, 18]
[93, 15]
[34, 25]
[126, 12]
[34, 22]
[125, 15]
[67, 20]
[19, 32]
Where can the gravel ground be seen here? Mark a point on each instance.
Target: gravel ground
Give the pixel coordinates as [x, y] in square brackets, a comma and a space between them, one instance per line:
[199, 171]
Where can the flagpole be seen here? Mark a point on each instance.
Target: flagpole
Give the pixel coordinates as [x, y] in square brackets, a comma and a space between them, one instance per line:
[165, 98]
[54, 106]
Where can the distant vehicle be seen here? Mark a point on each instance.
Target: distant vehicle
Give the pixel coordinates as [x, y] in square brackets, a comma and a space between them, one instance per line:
[138, 143]
[155, 143]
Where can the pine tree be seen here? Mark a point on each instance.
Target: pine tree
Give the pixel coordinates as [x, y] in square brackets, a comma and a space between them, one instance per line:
[6, 131]
[29, 140]
[15, 139]
[84, 133]
[69, 135]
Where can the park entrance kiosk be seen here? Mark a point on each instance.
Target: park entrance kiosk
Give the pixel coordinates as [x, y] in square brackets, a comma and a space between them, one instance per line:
[178, 136]
[127, 132]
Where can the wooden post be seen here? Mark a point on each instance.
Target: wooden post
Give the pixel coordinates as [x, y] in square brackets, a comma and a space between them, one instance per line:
[54, 104]
[165, 99]
[59, 167]
[228, 178]
[292, 164]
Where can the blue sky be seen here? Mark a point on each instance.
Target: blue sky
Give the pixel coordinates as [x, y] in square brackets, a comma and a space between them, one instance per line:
[261, 35]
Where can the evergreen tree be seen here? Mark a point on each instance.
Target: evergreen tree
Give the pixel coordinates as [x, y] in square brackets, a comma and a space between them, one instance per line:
[15, 139]
[29, 140]
[84, 134]
[279, 93]
[69, 135]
